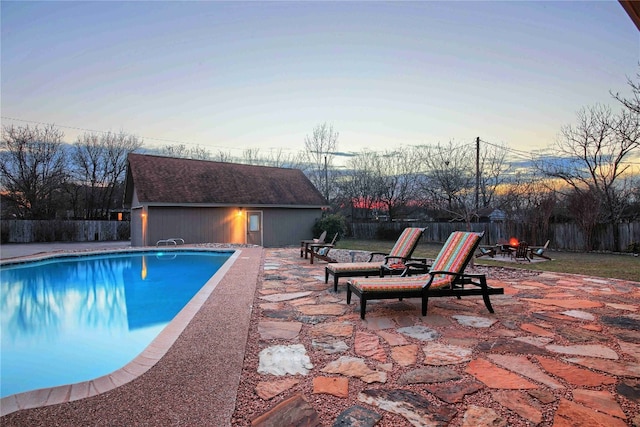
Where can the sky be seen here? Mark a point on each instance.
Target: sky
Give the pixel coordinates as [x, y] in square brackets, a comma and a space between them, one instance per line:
[232, 76]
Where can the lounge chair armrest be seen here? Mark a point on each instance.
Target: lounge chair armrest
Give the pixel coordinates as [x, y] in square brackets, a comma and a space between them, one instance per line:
[473, 275]
[415, 267]
[323, 245]
[451, 273]
[372, 254]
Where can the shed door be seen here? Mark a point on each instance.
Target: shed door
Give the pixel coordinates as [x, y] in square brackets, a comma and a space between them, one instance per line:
[254, 228]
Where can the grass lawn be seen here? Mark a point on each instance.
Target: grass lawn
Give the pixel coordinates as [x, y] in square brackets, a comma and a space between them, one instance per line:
[616, 266]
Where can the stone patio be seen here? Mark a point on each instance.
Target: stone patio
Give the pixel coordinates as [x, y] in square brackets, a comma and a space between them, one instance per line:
[560, 350]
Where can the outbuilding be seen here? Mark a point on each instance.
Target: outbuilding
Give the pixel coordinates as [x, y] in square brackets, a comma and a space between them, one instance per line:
[204, 201]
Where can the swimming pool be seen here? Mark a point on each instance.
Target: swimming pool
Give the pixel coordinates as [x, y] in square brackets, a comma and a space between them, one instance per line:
[74, 318]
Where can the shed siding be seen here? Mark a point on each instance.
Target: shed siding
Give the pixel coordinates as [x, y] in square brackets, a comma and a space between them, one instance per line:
[286, 227]
[281, 226]
[194, 225]
[136, 227]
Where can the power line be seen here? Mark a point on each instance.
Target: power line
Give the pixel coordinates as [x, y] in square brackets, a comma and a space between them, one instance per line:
[107, 132]
[521, 153]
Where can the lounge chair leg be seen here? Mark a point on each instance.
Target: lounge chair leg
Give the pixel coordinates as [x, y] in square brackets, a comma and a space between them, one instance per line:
[348, 294]
[487, 302]
[425, 301]
[326, 275]
[485, 294]
[335, 284]
[363, 307]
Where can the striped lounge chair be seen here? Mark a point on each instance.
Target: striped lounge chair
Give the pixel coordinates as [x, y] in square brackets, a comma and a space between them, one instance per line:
[400, 253]
[446, 277]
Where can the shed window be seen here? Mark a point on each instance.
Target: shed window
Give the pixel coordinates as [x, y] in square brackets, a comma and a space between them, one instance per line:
[254, 222]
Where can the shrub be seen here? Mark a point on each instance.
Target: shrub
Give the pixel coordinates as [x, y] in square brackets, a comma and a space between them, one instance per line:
[333, 223]
[124, 230]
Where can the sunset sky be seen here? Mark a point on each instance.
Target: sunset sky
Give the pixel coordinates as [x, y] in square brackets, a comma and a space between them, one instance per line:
[235, 75]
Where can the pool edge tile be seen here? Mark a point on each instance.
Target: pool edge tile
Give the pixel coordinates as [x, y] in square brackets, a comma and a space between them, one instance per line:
[34, 398]
[8, 405]
[59, 394]
[121, 377]
[79, 391]
[103, 384]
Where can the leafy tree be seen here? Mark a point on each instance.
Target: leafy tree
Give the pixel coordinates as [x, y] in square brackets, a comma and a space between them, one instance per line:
[33, 169]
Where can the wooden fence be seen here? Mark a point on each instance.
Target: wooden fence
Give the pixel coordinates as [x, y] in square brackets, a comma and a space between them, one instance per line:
[566, 237]
[562, 236]
[23, 231]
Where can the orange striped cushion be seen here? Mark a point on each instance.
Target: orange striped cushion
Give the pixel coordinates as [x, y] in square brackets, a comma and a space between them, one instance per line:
[413, 283]
[453, 256]
[383, 284]
[406, 242]
[342, 267]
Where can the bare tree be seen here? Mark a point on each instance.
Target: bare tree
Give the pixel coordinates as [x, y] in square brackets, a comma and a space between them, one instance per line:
[493, 169]
[89, 157]
[450, 180]
[100, 162]
[251, 156]
[396, 175]
[118, 148]
[319, 154]
[223, 157]
[530, 200]
[632, 103]
[279, 159]
[32, 168]
[593, 155]
[359, 186]
[584, 207]
[181, 150]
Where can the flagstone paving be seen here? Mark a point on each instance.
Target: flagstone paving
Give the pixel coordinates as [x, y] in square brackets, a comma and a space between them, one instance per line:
[560, 350]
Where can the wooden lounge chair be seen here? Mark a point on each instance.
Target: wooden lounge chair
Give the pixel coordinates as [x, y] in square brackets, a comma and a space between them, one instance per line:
[486, 251]
[521, 252]
[446, 277]
[304, 244]
[321, 250]
[539, 251]
[400, 253]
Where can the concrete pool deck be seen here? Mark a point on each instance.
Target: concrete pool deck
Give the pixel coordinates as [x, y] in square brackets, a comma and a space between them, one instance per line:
[18, 250]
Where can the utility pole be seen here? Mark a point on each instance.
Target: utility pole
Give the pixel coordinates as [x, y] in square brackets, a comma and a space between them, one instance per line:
[477, 176]
[326, 180]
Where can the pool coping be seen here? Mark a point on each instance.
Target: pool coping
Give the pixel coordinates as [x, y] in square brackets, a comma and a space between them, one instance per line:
[148, 358]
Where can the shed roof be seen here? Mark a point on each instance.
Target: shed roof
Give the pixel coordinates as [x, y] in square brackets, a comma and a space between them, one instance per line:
[186, 181]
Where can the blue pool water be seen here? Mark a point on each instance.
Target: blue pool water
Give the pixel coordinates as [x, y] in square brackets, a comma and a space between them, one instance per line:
[73, 319]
